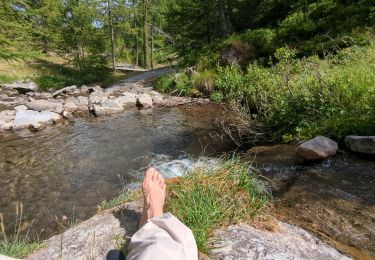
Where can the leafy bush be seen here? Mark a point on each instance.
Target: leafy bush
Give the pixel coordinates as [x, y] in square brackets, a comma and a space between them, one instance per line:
[204, 82]
[300, 98]
[165, 83]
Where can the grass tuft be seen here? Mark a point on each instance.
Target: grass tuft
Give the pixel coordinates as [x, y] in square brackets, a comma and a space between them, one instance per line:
[123, 197]
[211, 197]
[15, 246]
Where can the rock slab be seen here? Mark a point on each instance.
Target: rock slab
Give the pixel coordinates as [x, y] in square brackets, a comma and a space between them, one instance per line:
[319, 148]
[290, 242]
[27, 118]
[361, 144]
[93, 238]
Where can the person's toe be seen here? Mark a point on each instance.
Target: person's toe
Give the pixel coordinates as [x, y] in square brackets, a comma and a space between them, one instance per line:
[149, 173]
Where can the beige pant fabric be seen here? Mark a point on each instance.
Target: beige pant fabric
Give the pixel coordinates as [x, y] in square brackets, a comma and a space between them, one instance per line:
[163, 238]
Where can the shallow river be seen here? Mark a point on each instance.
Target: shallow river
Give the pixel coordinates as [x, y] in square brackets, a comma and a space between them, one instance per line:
[68, 170]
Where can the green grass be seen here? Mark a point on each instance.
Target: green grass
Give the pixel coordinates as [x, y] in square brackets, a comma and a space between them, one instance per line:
[7, 78]
[210, 197]
[18, 248]
[15, 245]
[122, 198]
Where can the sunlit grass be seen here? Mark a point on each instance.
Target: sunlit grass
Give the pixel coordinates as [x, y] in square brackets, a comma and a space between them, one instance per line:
[210, 197]
[15, 245]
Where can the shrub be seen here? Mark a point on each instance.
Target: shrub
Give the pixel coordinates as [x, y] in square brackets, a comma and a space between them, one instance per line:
[204, 82]
[165, 83]
[54, 82]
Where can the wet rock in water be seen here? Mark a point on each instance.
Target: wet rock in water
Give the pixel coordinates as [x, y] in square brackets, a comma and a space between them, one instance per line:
[83, 101]
[65, 91]
[22, 87]
[93, 238]
[361, 144]
[97, 97]
[96, 88]
[21, 107]
[107, 107]
[127, 100]
[84, 89]
[27, 118]
[6, 119]
[45, 105]
[144, 100]
[42, 95]
[316, 149]
[157, 98]
[289, 242]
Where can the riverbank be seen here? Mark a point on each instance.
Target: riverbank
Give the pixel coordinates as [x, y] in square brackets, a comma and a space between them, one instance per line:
[24, 106]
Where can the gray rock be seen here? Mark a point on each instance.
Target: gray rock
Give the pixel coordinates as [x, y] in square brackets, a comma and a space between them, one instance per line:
[319, 148]
[43, 95]
[96, 88]
[127, 100]
[97, 97]
[157, 98]
[27, 118]
[84, 89]
[107, 107]
[45, 105]
[144, 100]
[290, 242]
[83, 101]
[65, 91]
[6, 119]
[22, 87]
[93, 238]
[361, 144]
[21, 107]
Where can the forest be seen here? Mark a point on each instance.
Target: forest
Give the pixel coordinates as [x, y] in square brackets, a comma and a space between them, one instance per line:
[304, 67]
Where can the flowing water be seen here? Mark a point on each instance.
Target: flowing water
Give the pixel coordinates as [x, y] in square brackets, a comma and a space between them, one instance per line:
[334, 199]
[68, 170]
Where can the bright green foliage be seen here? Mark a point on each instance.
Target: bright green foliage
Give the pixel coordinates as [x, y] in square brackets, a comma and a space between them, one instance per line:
[305, 97]
[14, 30]
[18, 248]
[210, 197]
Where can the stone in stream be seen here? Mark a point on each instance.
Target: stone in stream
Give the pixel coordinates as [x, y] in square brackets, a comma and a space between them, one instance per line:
[127, 100]
[27, 118]
[157, 98]
[21, 107]
[45, 105]
[6, 119]
[65, 91]
[144, 100]
[22, 87]
[107, 107]
[289, 242]
[97, 97]
[361, 144]
[319, 148]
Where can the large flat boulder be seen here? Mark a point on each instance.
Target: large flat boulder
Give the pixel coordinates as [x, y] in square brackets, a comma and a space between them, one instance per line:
[29, 118]
[361, 144]
[288, 242]
[107, 107]
[45, 105]
[316, 149]
[22, 87]
[94, 238]
[127, 100]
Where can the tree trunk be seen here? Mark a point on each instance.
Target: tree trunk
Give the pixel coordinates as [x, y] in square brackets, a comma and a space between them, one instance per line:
[145, 34]
[110, 17]
[152, 49]
[222, 19]
[208, 22]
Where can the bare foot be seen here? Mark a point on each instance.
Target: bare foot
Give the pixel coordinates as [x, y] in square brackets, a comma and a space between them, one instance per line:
[153, 195]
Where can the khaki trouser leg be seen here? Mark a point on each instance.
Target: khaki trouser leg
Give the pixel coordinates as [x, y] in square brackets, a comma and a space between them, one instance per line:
[163, 238]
